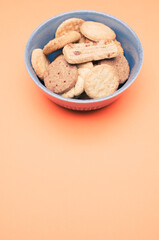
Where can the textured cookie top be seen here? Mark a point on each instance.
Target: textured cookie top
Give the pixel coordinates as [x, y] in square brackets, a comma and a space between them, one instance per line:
[121, 66]
[84, 52]
[101, 81]
[71, 24]
[60, 76]
[97, 31]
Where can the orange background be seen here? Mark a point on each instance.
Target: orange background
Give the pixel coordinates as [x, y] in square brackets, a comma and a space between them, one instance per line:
[68, 175]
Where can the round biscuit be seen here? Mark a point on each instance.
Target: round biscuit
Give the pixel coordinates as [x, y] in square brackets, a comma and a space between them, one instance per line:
[121, 66]
[60, 76]
[101, 81]
[40, 62]
[97, 31]
[71, 24]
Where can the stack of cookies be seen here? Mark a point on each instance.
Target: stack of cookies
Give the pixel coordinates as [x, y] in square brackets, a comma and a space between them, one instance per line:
[92, 61]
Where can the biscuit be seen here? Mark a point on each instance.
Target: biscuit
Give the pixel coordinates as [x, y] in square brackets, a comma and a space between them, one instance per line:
[60, 42]
[71, 24]
[76, 90]
[85, 65]
[118, 44]
[85, 52]
[97, 31]
[60, 76]
[79, 86]
[69, 94]
[83, 72]
[83, 39]
[121, 66]
[101, 81]
[40, 62]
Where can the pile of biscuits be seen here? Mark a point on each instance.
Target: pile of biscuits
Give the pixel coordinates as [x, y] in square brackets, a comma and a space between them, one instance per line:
[92, 61]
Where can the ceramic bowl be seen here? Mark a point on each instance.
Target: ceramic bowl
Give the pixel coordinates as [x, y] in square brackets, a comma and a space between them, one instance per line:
[130, 42]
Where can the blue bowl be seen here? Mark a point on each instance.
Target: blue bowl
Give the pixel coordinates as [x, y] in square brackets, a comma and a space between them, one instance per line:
[130, 42]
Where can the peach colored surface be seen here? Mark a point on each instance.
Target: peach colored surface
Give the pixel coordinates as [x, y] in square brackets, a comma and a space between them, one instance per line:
[78, 176]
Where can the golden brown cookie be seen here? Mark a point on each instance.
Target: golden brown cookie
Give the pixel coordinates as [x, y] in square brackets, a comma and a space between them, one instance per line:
[97, 31]
[79, 86]
[60, 42]
[83, 72]
[101, 81]
[71, 24]
[118, 44]
[85, 65]
[60, 76]
[85, 52]
[121, 66]
[76, 90]
[40, 62]
[69, 94]
[83, 39]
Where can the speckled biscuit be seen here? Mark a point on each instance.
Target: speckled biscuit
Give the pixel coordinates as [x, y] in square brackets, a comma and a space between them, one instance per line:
[76, 90]
[101, 81]
[60, 42]
[85, 52]
[83, 39]
[121, 66]
[60, 76]
[40, 62]
[97, 31]
[71, 24]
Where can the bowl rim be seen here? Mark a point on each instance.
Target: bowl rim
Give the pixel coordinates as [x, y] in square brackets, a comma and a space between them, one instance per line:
[83, 101]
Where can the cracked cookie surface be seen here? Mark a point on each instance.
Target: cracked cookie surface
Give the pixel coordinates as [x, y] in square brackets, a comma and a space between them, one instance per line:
[60, 76]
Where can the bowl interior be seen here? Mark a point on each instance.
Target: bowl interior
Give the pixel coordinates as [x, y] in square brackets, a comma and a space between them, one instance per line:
[129, 41]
